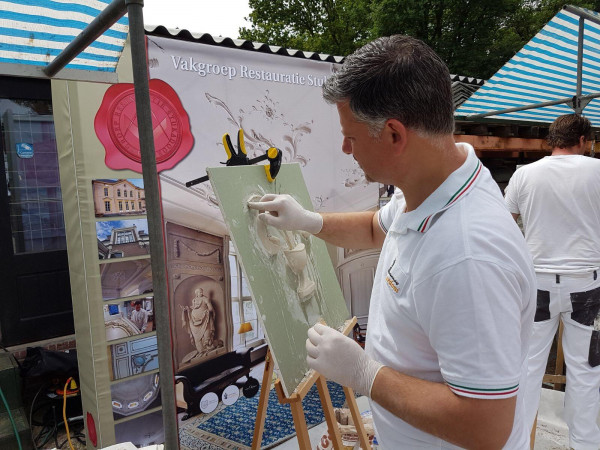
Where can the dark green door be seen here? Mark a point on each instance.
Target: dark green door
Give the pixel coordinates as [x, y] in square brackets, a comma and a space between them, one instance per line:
[36, 298]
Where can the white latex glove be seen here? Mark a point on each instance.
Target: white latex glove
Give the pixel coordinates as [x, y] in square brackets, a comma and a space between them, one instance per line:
[340, 359]
[282, 211]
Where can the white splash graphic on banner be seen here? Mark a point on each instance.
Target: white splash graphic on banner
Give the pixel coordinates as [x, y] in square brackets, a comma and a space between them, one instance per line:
[263, 113]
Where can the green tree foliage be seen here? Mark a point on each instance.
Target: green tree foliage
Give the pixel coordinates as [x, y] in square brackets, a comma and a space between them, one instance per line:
[474, 37]
[335, 27]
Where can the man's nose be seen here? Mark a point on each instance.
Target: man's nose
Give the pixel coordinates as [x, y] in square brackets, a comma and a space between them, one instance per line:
[346, 146]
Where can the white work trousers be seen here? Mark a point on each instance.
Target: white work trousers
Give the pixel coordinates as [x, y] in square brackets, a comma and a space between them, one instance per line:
[576, 300]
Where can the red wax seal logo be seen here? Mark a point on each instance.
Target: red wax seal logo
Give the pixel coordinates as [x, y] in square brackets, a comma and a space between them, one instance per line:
[117, 127]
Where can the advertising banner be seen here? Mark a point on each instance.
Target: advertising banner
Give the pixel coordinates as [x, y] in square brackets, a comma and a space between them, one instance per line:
[198, 93]
[276, 100]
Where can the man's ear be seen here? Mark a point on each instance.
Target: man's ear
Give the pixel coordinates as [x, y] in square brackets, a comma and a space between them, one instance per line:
[398, 133]
[582, 141]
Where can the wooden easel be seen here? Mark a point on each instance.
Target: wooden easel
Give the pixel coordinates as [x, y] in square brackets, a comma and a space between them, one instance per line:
[295, 402]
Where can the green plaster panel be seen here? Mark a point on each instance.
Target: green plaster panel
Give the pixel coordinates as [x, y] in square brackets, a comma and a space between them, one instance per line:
[285, 314]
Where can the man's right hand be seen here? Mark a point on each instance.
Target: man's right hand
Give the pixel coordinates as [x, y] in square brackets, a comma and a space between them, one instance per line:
[282, 211]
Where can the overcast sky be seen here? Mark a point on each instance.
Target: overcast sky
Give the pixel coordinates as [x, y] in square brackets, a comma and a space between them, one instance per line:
[217, 17]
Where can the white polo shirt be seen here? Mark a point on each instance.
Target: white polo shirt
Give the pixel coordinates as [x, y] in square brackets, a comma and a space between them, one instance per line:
[558, 198]
[453, 299]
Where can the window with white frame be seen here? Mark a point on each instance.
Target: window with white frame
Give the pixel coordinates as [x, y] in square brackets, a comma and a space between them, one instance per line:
[124, 237]
[242, 307]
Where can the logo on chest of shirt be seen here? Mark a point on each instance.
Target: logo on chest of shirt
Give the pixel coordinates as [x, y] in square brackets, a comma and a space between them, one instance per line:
[391, 281]
[396, 277]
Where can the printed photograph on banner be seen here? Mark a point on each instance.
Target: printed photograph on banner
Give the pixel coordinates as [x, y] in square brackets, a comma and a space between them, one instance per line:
[121, 279]
[142, 431]
[122, 238]
[133, 357]
[201, 320]
[134, 396]
[129, 318]
[124, 197]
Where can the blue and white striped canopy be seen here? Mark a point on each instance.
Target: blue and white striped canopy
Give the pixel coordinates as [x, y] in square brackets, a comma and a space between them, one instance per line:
[34, 32]
[544, 70]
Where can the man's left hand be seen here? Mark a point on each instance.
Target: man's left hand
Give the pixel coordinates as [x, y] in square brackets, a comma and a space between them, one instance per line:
[340, 359]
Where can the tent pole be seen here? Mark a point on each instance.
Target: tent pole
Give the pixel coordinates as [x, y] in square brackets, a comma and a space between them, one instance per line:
[582, 98]
[155, 226]
[581, 13]
[106, 19]
[113, 12]
[577, 106]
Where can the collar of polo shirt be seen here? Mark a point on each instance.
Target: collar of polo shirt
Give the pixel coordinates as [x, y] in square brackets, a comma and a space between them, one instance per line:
[449, 193]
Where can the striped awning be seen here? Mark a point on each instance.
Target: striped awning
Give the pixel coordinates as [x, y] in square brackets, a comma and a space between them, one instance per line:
[34, 32]
[544, 71]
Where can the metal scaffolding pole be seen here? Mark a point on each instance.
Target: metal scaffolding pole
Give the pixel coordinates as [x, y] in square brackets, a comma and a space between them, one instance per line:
[113, 12]
[106, 19]
[581, 13]
[577, 103]
[155, 226]
[582, 99]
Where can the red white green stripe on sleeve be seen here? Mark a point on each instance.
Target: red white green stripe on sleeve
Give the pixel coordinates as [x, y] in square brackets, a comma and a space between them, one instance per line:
[381, 224]
[459, 193]
[467, 391]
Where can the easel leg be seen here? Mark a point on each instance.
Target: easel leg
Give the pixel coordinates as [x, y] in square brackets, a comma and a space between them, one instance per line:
[263, 401]
[533, 430]
[300, 424]
[356, 417]
[295, 402]
[332, 427]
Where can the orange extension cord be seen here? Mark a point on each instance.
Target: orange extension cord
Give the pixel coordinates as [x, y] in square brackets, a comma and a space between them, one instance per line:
[65, 412]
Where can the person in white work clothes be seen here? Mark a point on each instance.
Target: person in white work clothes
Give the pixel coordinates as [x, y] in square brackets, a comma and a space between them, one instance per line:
[454, 293]
[139, 316]
[558, 199]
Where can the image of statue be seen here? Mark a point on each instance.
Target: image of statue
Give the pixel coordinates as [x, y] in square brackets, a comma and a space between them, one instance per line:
[199, 322]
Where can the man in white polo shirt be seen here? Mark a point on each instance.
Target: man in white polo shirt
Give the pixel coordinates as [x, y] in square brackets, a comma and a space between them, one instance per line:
[454, 293]
[558, 198]
[139, 316]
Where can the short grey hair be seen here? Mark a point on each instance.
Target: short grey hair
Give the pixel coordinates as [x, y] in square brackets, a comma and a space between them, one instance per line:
[396, 77]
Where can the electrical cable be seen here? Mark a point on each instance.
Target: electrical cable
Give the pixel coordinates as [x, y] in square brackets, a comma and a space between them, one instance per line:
[31, 416]
[12, 420]
[65, 412]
